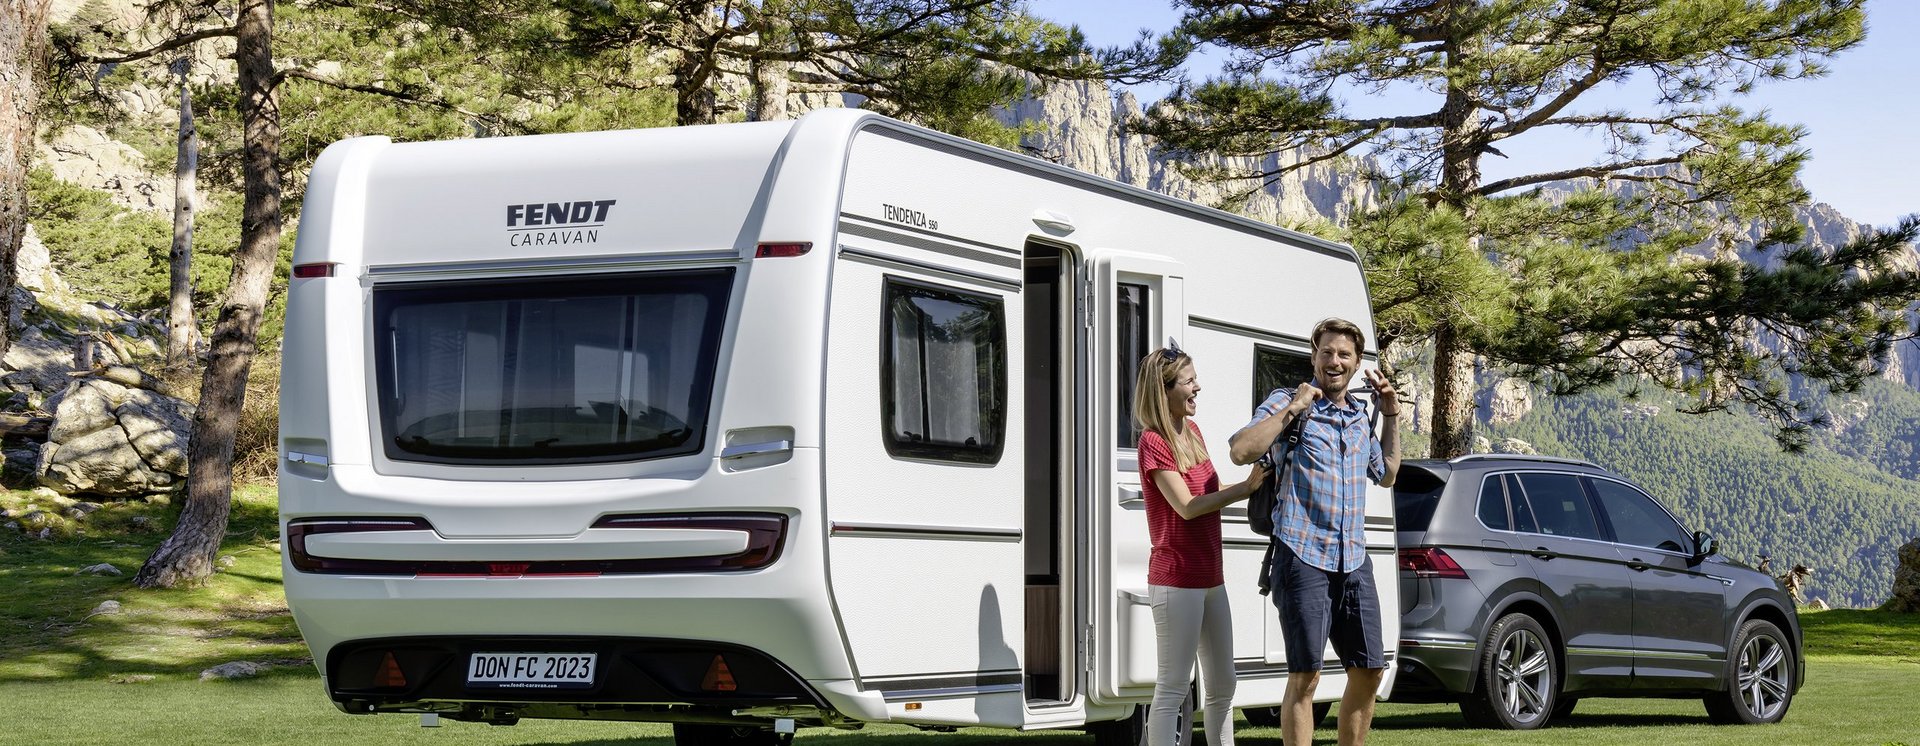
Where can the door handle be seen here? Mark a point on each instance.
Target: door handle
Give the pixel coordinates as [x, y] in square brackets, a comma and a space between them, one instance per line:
[1638, 565]
[1542, 553]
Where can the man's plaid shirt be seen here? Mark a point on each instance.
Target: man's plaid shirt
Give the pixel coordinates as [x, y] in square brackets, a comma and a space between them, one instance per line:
[1321, 512]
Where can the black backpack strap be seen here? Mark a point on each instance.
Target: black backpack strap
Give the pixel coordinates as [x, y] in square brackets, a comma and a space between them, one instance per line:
[1292, 436]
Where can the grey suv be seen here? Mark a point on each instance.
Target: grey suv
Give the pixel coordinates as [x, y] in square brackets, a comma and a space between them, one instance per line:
[1528, 583]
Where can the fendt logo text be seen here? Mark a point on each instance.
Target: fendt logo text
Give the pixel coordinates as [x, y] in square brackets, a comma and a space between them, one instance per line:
[556, 223]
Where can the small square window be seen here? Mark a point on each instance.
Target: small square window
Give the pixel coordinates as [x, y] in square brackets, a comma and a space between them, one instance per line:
[943, 373]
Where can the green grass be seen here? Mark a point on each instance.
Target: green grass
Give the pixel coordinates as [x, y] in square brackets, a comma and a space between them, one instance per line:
[132, 677]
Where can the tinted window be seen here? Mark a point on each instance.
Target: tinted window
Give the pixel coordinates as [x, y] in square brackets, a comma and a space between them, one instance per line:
[548, 371]
[1637, 519]
[1493, 503]
[1560, 505]
[1415, 494]
[1131, 317]
[1522, 512]
[944, 373]
[1274, 368]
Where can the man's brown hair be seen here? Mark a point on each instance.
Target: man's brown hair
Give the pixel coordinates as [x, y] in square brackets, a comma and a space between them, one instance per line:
[1339, 326]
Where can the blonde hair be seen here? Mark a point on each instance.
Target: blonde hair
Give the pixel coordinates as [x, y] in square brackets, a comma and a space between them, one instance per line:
[1150, 412]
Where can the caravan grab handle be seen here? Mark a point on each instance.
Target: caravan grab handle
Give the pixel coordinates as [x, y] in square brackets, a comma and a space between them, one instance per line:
[744, 450]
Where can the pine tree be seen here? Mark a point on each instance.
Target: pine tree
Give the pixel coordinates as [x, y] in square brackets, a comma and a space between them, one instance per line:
[1465, 260]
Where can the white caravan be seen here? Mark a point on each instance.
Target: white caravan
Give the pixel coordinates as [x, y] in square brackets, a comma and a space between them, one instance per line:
[753, 426]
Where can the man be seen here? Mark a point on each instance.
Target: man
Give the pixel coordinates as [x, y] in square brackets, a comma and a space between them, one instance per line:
[1322, 582]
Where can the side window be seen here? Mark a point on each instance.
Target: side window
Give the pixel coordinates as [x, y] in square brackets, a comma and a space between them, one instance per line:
[1637, 519]
[1132, 322]
[1274, 368]
[1560, 505]
[943, 373]
[1493, 503]
[1522, 511]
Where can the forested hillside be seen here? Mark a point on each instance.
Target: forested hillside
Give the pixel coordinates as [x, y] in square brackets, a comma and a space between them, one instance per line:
[1842, 507]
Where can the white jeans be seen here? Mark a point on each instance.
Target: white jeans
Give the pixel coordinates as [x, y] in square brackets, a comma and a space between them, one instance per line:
[1192, 621]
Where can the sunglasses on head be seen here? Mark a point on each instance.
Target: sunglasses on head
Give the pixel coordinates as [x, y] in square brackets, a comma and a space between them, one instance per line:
[1172, 351]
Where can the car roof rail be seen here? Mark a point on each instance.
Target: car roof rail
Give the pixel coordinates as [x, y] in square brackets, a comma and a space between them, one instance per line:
[1521, 457]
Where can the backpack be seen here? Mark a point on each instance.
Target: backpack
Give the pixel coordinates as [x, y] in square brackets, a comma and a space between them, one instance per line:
[1261, 503]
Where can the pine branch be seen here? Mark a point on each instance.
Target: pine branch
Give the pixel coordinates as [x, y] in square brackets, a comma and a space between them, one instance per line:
[1604, 170]
[159, 49]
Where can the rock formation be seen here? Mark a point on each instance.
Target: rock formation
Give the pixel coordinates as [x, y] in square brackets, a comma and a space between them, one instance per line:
[1906, 580]
[115, 440]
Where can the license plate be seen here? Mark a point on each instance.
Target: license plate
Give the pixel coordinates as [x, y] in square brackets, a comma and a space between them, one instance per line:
[531, 670]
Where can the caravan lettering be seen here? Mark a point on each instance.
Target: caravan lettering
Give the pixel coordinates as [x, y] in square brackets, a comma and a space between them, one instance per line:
[558, 213]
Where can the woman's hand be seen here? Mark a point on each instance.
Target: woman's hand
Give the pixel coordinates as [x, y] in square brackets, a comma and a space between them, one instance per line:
[1252, 482]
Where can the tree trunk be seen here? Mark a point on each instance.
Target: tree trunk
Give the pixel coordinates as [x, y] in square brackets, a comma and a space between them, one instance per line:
[187, 556]
[1453, 402]
[1461, 140]
[770, 76]
[180, 326]
[23, 54]
[693, 101]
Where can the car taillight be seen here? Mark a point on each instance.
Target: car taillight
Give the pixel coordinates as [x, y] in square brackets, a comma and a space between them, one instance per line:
[316, 269]
[1431, 562]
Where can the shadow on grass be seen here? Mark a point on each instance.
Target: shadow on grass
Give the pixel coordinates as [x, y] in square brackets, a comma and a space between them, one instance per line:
[52, 627]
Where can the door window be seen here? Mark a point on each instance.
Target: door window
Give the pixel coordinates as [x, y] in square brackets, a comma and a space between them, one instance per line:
[1493, 503]
[1132, 325]
[1637, 519]
[1560, 505]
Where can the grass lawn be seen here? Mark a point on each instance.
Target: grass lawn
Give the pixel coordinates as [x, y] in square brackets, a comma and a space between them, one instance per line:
[68, 675]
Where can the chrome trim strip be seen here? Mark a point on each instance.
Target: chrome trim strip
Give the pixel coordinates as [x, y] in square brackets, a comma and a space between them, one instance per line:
[888, 262]
[904, 531]
[1409, 642]
[950, 692]
[557, 264]
[1601, 652]
[925, 244]
[755, 449]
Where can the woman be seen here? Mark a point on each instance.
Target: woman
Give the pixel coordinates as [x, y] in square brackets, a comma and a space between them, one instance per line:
[1184, 582]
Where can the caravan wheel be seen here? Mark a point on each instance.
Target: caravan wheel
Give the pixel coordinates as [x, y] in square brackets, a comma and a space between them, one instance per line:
[704, 734]
[1132, 730]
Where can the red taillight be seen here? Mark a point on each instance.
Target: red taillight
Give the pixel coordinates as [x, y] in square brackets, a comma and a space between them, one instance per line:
[319, 269]
[300, 528]
[770, 250]
[1431, 562]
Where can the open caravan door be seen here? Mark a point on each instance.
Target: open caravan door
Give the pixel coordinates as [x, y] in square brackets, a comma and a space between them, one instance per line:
[1137, 304]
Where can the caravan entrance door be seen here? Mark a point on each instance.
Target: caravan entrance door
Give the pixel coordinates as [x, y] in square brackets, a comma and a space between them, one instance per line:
[1137, 304]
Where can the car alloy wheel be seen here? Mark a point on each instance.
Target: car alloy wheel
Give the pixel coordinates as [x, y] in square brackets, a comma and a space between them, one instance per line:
[1759, 678]
[1518, 684]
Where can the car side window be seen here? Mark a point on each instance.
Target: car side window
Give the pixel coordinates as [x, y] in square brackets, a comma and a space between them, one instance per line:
[1522, 512]
[1493, 503]
[1637, 519]
[1560, 505]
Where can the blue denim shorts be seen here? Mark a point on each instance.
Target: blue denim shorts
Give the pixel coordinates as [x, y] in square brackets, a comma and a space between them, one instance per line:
[1318, 606]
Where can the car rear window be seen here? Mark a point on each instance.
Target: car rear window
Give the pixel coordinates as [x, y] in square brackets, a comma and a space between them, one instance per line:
[1416, 492]
[548, 371]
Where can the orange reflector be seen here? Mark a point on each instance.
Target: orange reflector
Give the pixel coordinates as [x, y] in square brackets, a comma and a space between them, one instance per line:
[911, 706]
[389, 674]
[718, 678]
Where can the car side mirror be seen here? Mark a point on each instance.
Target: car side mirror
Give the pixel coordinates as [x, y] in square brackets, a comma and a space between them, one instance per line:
[1704, 546]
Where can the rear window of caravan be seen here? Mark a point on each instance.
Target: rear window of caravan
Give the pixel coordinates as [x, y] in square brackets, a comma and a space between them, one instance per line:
[549, 371]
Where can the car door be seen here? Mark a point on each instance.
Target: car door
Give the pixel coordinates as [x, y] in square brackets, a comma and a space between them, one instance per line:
[1583, 572]
[1679, 622]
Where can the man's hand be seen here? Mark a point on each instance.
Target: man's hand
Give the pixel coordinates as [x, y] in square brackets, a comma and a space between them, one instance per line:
[1383, 394]
[1303, 398]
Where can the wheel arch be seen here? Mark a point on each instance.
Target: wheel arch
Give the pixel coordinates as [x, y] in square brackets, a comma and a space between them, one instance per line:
[1533, 606]
[1767, 610]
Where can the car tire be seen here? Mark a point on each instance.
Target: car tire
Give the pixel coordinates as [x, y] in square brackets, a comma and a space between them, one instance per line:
[1564, 707]
[1269, 717]
[1519, 677]
[1760, 677]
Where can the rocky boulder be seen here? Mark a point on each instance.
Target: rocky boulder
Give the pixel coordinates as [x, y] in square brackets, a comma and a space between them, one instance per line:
[116, 440]
[1906, 580]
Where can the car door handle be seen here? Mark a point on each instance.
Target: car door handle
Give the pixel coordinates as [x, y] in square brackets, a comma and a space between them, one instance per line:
[1542, 553]
[1638, 565]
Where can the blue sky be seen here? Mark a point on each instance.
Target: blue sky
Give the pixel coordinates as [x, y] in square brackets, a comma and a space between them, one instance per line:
[1862, 118]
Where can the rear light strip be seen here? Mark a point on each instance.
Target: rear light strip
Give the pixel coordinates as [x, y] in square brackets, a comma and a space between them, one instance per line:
[1431, 562]
[766, 533]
